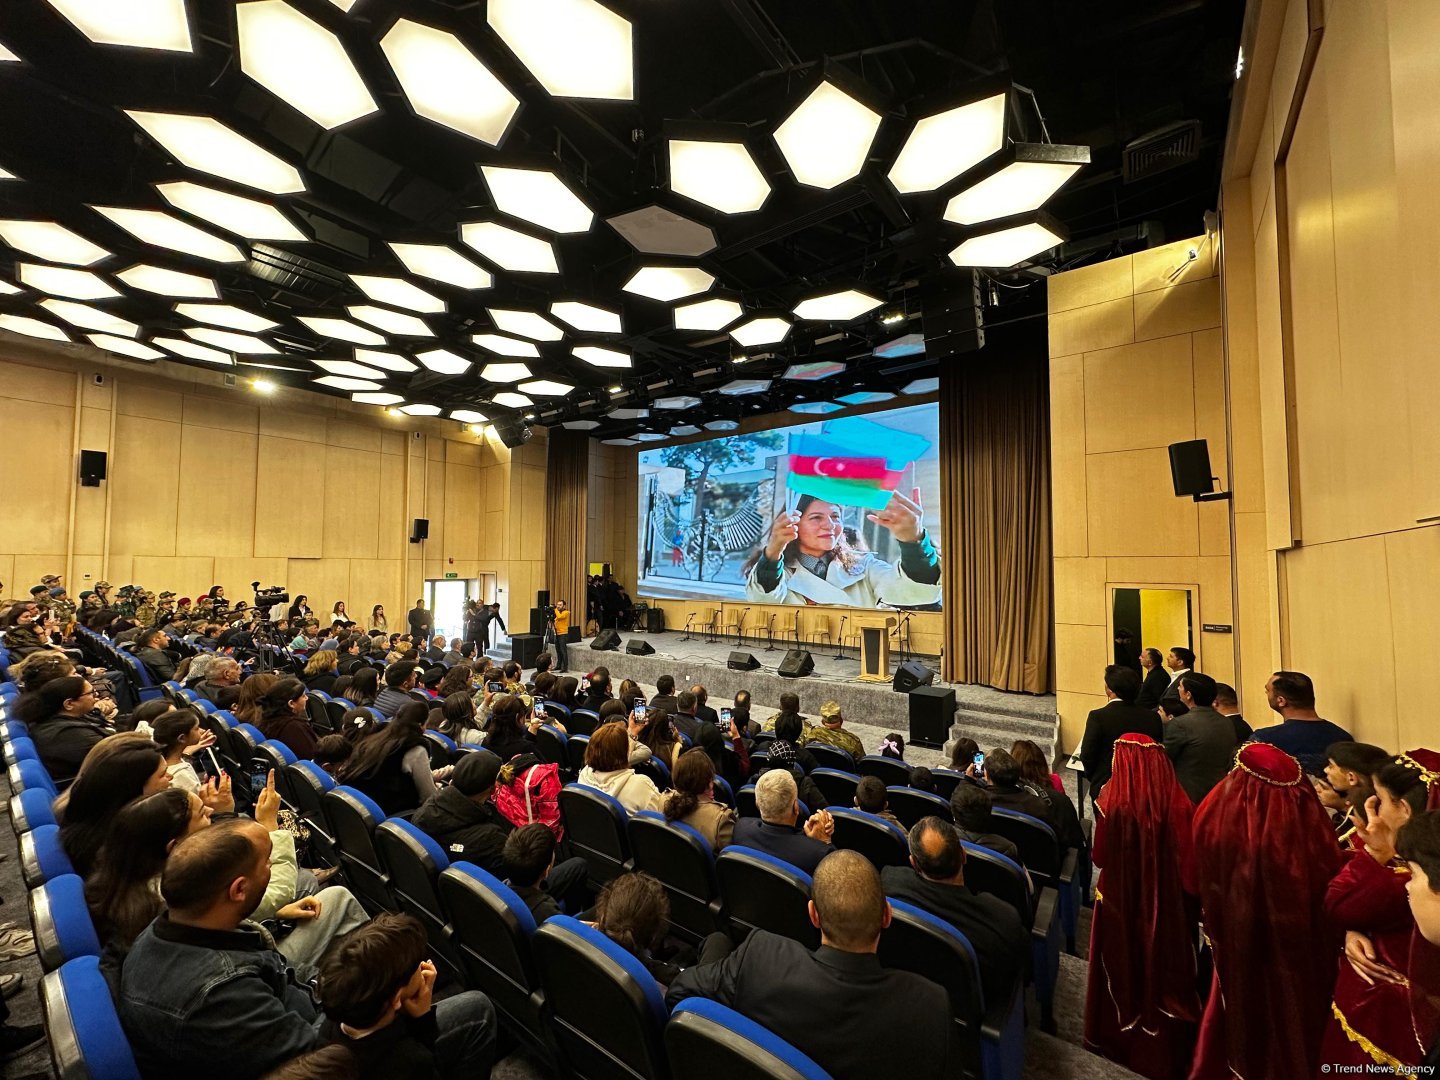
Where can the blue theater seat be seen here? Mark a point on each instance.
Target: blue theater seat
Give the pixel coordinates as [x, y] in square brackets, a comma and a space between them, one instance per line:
[353, 818]
[681, 859]
[61, 919]
[86, 1040]
[709, 1041]
[883, 843]
[42, 857]
[595, 829]
[761, 892]
[910, 805]
[414, 860]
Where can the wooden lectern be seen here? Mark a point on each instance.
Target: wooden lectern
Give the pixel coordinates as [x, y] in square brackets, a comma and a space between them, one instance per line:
[875, 646]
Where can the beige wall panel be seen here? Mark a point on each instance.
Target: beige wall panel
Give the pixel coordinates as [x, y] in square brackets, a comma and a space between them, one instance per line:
[492, 537]
[1288, 59]
[36, 384]
[460, 453]
[1139, 396]
[1274, 412]
[144, 479]
[1254, 569]
[1080, 591]
[338, 432]
[392, 525]
[1208, 359]
[352, 503]
[1158, 570]
[393, 442]
[1081, 653]
[218, 497]
[1411, 559]
[94, 428]
[186, 576]
[289, 424]
[322, 581]
[435, 506]
[30, 568]
[137, 398]
[435, 449]
[236, 574]
[462, 510]
[1073, 709]
[1067, 457]
[1099, 326]
[279, 533]
[1094, 284]
[1262, 176]
[10, 588]
[375, 581]
[1194, 305]
[40, 474]
[226, 414]
[1141, 515]
[85, 570]
[1240, 354]
[1170, 265]
[1213, 519]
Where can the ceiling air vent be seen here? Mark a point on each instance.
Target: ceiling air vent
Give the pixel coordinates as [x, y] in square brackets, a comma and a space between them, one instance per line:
[1161, 150]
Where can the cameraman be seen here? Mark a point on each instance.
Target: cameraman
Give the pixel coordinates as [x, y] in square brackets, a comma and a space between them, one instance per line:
[560, 620]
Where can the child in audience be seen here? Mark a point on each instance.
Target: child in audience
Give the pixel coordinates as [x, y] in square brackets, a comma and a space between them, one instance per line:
[180, 736]
[633, 911]
[922, 779]
[892, 746]
[871, 797]
[332, 751]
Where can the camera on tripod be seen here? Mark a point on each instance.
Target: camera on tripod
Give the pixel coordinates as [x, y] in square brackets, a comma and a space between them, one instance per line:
[265, 599]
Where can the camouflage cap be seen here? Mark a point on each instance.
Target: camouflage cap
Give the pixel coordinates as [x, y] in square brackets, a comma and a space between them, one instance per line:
[167, 595]
[102, 585]
[50, 579]
[126, 590]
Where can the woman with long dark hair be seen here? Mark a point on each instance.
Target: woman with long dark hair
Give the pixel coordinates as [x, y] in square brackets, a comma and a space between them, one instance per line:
[285, 717]
[180, 736]
[377, 618]
[63, 724]
[507, 727]
[364, 686]
[117, 771]
[392, 764]
[457, 720]
[692, 800]
[658, 733]
[299, 610]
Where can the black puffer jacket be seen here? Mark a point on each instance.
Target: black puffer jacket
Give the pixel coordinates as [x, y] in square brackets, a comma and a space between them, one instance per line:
[465, 829]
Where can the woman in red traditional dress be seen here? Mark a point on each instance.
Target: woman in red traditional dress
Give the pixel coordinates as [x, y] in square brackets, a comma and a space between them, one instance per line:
[1265, 853]
[1385, 968]
[1141, 1006]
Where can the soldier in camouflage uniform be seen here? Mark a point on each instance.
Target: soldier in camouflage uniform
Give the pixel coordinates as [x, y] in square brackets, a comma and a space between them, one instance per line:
[124, 601]
[166, 609]
[62, 609]
[89, 601]
[145, 609]
[102, 590]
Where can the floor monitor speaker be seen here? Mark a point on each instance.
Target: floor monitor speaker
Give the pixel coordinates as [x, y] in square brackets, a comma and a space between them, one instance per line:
[606, 641]
[742, 661]
[911, 674]
[639, 647]
[797, 664]
[932, 711]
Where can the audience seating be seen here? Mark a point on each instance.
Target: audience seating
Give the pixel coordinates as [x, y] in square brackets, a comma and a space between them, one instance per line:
[878, 840]
[762, 892]
[441, 747]
[595, 829]
[414, 860]
[656, 770]
[61, 922]
[836, 785]
[302, 786]
[335, 709]
[28, 773]
[745, 802]
[42, 857]
[830, 757]
[989, 872]
[20, 749]
[559, 711]
[582, 722]
[682, 861]
[575, 746]
[353, 818]
[1040, 852]
[946, 781]
[708, 1041]
[31, 809]
[550, 745]
[892, 771]
[722, 792]
[607, 1014]
[910, 805]
[317, 704]
[86, 1040]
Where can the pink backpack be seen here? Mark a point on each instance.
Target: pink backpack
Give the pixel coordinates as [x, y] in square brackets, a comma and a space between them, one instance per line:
[532, 796]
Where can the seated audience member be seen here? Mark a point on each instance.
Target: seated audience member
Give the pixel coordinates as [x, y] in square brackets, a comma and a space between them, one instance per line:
[509, 730]
[684, 718]
[543, 665]
[400, 679]
[436, 648]
[457, 720]
[150, 646]
[1301, 732]
[459, 678]
[664, 694]
[63, 724]
[856, 1014]
[607, 768]
[1200, 742]
[692, 802]
[871, 797]
[510, 673]
[454, 655]
[1156, 679]
[1035, 773]
[787, 752]
[222, 676]
[118, 770]
[565, 690]
[831, 731]
[633, 911]
[962, 755]
[332, 751]
[199, 984]
[285, 717]
[247, 708]
[430, 680]
[543, 685]
[530, 870]
[1008, 791]
[463, 819]
[321, 669]
[922, 779]
[776, 831]
[892, 746]
[599, 691]
[703, 712]
[1227, 704]
[630, 693]
[392, 764]
[971, 805]
[364, 687]
[376, 989]
[657, 733]
[935, 882]
[180, 736]
[713, 741]
[193, 669]
[1118, 716]
[25, 630]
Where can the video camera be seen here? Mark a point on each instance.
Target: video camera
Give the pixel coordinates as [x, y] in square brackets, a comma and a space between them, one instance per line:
[265, 599]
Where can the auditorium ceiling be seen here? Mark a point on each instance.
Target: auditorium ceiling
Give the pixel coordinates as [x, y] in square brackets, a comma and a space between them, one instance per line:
[638, 219]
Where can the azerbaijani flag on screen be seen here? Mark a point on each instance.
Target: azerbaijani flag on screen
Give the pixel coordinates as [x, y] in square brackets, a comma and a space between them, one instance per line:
[853, 461]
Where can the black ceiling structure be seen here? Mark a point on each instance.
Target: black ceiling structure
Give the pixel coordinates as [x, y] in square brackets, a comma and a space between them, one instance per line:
[1145, 86]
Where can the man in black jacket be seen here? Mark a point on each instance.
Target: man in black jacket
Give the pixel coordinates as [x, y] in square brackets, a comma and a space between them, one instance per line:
[1157, 679]
[1118, 716]
[1007, 792]
[461, 817]
[487, 615]
[858, 1019]
[703, 712]
[150, 644]
[665, 695]
[419, 623]
[970, 803]
[776, 831]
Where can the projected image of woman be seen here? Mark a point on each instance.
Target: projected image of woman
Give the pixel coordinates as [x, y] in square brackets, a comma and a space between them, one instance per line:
[808, 560]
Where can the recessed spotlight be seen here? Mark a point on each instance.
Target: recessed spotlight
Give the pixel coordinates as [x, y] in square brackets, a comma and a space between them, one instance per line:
[141, 24]
[707, 315]
[666, 283]
[837, 306]
[512, 400]
[469, 416]
[90, 318]
[157, 279]
[595, 356]
[371, 398]
[475, 429]
[194, 351]
[125, 347]
[1033, 173]
[51, 242]
[547, 388]
[680, 401]
[225, 315]
[574, 48]
[722, 425]
[205, 144]
[161, 230]
[386, 360]
[826, 140]
[36, 328]
[502, 373]
[349, 368]
[720, 174]
[262, 386]
[1008, 246]
[229, 341]
[420, 410]
[587, 317]
[614, 389]
[892, 317]
[59, 281]
[581, 425]
[392, 322]
[865, 397]
[301, 63]
[440, 263]
[766, 330]
[941, 147]
[921, 386]
[509, 249]
[345, 382]
[444, 362]
[505, 346]
[538, 197]
[397, 292]
[444, 82]
[249, 218]
[527, 324]
[742, 387]
[341, 330]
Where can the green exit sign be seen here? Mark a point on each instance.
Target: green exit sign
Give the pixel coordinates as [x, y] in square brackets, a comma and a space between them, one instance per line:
[448, 576]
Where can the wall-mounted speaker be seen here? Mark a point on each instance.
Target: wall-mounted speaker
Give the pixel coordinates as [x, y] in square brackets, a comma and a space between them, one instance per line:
[92, 467]
[639, 647]
[606, 641]
[797, 664]
[742, 661]
[1190, 468]
[420, 530]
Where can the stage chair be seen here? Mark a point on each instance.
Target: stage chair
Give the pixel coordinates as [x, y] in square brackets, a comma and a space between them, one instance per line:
[1042, 855]
[759, 891]
[836, 785]
[86, 1039]
[879, 841]
[708, 1041]
[595, 828]
[989, 872]
[735, 624]
[681, 859]
[819, 629]
[892, 771]
[353, 818]
[61, 921]
[910, 805]
[414, 860]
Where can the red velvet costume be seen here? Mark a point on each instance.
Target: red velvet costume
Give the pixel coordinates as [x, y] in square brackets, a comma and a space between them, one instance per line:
[1265, 854]
[1141, 1007]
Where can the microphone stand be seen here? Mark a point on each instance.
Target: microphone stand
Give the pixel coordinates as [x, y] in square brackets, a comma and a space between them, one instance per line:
[689, 618]
[740, 628]
[797, 628]
[840, 639]
[771, 631]
[710, 638]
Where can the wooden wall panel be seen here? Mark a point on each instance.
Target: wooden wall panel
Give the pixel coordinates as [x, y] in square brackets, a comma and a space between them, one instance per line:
[1068, 512]
[218, 497]
[1094, 284]
[1100, 326]
[1139, 396]
[185, 575]
[39, 473]
[144, 486]
[1411, 559]
[1188, 306]
[463, 486]
[1134, 510]
[350, 504]
[280, 532]
[1275, 416]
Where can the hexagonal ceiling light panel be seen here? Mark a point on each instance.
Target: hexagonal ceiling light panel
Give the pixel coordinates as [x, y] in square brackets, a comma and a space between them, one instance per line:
[865, 397]
[51, 241]
[444, 264]
[741, 387]
[921, 386]
[814, 369]
[125, 347]
[598, 357]
[36, 328]
[506, 346]
[392, 322]
[249, 218]
[444, 362]
[341, 330]
[839, 306]
[231, 342]
[666, 283]
[301, 63]
[387, 360]
[826, 140]
[941, 147]
[166, 282]
[349, 368]
[655, 230]
[527, 324]
[574, 48]
[509, 248]
[512, 400]
[628, 414]
[714, 314]
[397, 292]
[505, 373]
[581, 425]
[815, 408]
[537, 196]
[90, 318]
[62, 281]
[159, 229]
[226, 315]
[677, 401]
[547, 387]
[587, 317]
[207, 145]
[194, 351]
[720, 174]
[141, 24]
[445, 82]
[766, 330]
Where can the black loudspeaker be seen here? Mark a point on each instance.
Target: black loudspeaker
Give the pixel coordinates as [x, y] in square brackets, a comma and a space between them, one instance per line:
[537, 621]
[606, 641]
[932, 711]
[420, 530]
[953, 319]
[524, 648]
[542, 598]
[911, 674]
[655, 620]
[797, 664]
[639, 647]
[512, 430]
[742, 661]
[92, 467]
[1190, 468]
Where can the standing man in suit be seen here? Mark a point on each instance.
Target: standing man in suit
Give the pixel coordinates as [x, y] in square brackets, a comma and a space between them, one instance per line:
[1227, 703]
[1118, 716]
[1125, 650]
[419, 623]
[1201, 742]
[1180, 661]
[1156, 679]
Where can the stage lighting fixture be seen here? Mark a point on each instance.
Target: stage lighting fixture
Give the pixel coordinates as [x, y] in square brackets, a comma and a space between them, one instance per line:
[538, 197]
[892, 317]
[722, 425]
[1009, 244]
[628, 414]
[22, 324]
[444, 82]
[527, 324]
[509, 249]
[58, 281]
[382, 398]
[388, 361]
[837, 306]
[50, 241]
[444, 362]
[263, 386]
[813, 370]
[741, 387]
[707, 314]
[826, 140]
[90, 318]
[587, 317]
[230, 341]
[301, 63]
[921, 386]
[194, 351]
[140, 24]
[159, 229]
[1031, 174]
[512, 400]
[815, 408]
[657, 230]
[503, 373]
[392, 322]
[766, 330]
[666, 283]
[865, 397]
[159, 280]
[397, 292]
[506, 346]
[344, 382]
[341, 330]
[125, 347]
[581, 425]
[420, 410]
[207, 145]
[440, 263]
[718, 174]
[349, 368]
[574, 48]
[678, 401]
[941, 147]
[469, 416]
[225, 315]
[546, 388]
[249, 218]
[595, 356]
